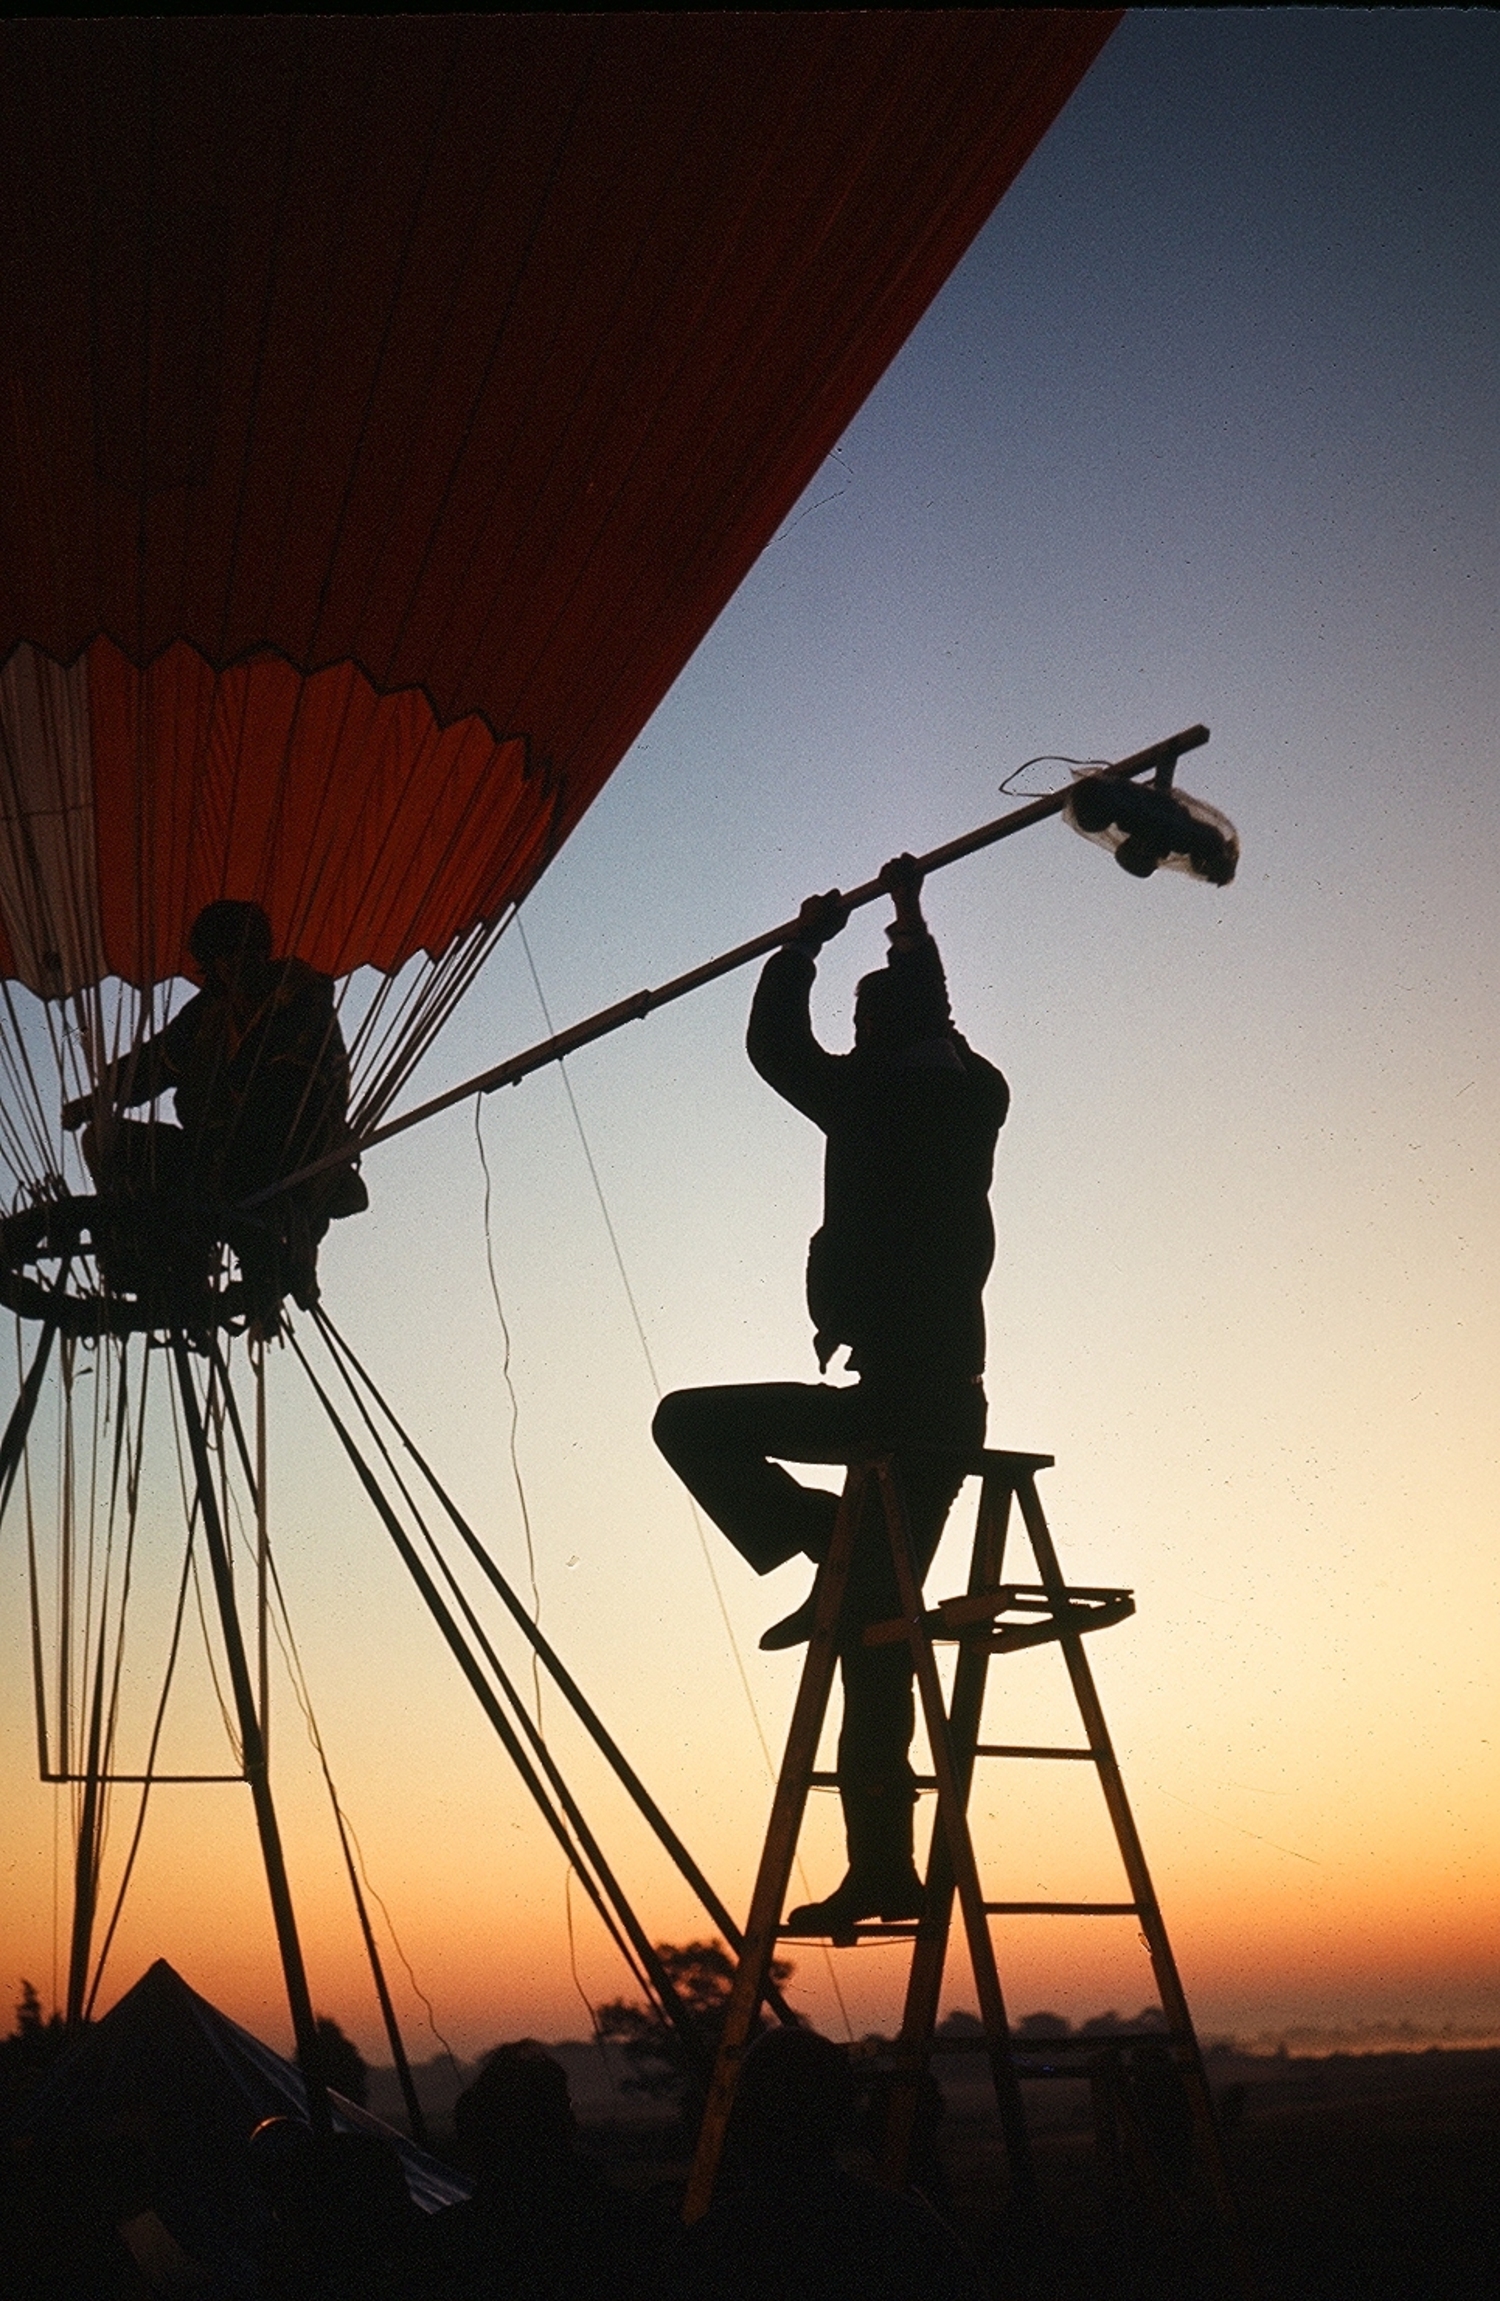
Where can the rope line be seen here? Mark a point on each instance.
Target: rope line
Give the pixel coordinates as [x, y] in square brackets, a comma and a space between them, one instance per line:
[556, 1669]
[704, 1545]
[228, 1409]
[600, 1868]
[303, 1699]
[458, 1646]
[179, 1614]
[515, 1404]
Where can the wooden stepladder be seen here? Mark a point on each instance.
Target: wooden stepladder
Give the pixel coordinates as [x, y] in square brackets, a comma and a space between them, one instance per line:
[991, 1618]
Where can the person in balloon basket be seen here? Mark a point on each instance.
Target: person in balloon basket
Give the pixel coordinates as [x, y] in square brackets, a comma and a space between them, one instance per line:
[896, 1275]
[261, 1078]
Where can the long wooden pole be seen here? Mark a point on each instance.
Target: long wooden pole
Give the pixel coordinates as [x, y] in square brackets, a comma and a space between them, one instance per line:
[253, 1755]
[643, 1003]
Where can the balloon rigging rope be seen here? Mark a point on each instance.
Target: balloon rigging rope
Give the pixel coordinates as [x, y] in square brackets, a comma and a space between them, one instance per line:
[358, 1377]
[703, 1545]
[515, 1422]
[65, 1559]
[189, 1493]
[641, 1337]
[132, 1471]
[353, 1851]
[464, 1650]
[595, 2030]
[84, 1761]
[281, 1627]
[534, 1732]
[33, 1161]
[157, 1723]
[225, 1411]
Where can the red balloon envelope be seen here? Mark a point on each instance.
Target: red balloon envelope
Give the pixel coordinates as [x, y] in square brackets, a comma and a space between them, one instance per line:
[393, 404]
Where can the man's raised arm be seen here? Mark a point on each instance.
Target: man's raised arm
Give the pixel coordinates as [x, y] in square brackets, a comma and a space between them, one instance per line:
[779, 1039]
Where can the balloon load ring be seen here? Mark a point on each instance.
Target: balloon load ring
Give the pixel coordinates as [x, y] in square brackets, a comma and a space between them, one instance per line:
[143, 1262]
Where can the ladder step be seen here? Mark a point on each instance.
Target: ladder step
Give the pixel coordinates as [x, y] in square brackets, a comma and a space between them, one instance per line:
[1061, 1909]
[1086, 1608]
[1028, 1750]
[1073, 1621]
[817, 1781]
[858, 1933]
[830, 1781]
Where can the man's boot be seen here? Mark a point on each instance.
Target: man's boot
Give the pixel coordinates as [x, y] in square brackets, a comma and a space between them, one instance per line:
[882, 1880]
[793, 1629]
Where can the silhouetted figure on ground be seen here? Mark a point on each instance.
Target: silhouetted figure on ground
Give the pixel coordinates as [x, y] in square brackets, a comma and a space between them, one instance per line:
[896, 1273]
[543, 2224]
[261, 1078]
[345, 2225]
[925, 2171]
[787, 2223]
[79, 2219]
[1164, 2110]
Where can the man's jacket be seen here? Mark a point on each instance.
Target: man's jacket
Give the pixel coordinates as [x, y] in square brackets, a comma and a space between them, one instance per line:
[261, 1078]
[897, 1270]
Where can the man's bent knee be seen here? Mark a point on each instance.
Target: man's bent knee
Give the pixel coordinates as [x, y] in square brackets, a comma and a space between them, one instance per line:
[677, 1425]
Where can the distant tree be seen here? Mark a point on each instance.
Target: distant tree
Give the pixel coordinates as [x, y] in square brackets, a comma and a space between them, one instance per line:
[1043, 2025]
[40, 2040]
[33, 2046]
[344, 2066]
[1110, 2025]
[702, 1972]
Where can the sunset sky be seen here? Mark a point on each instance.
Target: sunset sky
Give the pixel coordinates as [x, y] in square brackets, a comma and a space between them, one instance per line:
[1205, 426]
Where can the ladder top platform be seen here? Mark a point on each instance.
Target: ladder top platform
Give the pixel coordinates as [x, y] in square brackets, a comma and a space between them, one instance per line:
[984, 1462]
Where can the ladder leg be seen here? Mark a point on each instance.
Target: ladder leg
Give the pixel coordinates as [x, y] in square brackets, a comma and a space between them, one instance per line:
[1132, 1855]
[955, 1830]
[925, 1981]
[769, 1898]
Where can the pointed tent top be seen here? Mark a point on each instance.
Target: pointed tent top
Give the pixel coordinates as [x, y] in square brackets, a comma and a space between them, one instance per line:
[166, 2066]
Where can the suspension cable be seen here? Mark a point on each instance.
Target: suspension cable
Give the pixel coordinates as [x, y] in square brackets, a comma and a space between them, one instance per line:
[483, 1693]
[567, 1685]
[640, 1941]
[149, 1778]
[266, 1576]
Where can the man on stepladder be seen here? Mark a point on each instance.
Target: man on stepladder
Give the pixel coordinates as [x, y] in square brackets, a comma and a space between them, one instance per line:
[896, 1275]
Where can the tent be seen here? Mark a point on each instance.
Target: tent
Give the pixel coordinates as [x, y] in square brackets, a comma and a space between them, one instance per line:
[167, 2073]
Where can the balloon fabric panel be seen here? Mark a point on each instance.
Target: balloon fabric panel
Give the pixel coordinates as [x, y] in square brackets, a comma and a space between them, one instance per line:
[466, 362]
[364, 830]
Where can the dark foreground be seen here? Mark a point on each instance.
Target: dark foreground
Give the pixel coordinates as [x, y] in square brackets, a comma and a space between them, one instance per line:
[1360, 2178]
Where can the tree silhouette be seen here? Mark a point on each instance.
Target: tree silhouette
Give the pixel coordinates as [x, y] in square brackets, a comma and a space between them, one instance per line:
[702, 1973]
[344, 2066]
[31, 2049]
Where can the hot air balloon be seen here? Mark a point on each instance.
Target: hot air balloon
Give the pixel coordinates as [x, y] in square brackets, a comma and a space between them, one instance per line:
[391, 405]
